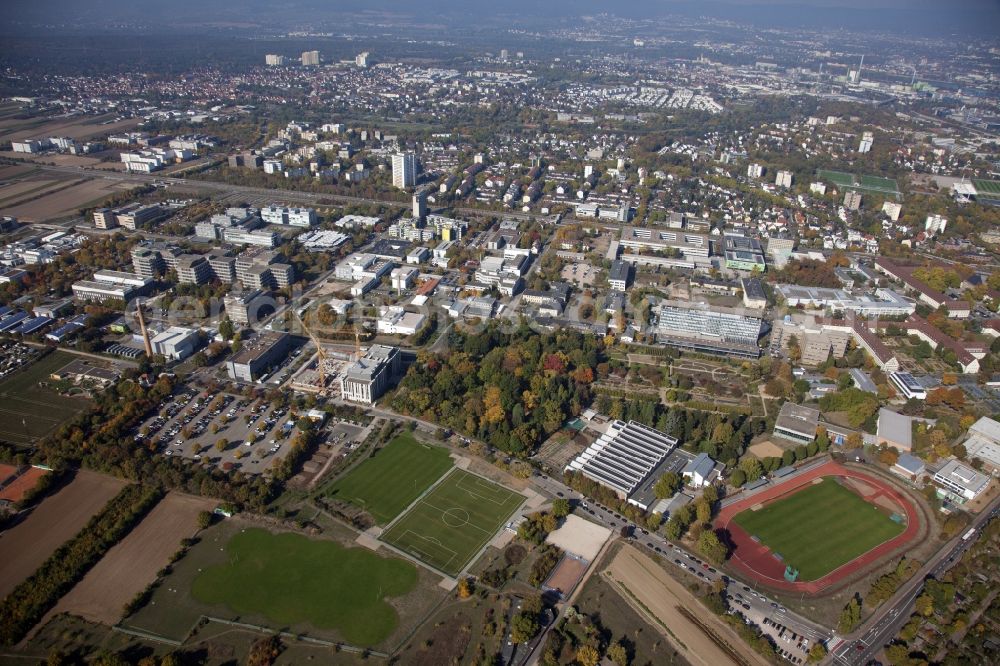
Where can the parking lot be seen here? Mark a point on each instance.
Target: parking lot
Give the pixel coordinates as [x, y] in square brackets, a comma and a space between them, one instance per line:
[224, 430]
[582, 275]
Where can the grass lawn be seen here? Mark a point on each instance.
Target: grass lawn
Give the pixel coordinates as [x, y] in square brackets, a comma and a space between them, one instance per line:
[291, 579]
[387, 483]
[449, 525]
[819, 528]
[28, 411]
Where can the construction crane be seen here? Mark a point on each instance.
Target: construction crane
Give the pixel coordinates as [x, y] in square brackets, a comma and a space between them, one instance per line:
[320, 352]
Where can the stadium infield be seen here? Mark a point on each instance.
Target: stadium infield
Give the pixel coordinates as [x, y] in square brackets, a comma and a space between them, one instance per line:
[765, 563]
[449, 525]
[388, 482]
[850, 527]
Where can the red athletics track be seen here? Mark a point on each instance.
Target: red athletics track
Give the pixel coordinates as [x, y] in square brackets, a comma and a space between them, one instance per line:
[756, 561]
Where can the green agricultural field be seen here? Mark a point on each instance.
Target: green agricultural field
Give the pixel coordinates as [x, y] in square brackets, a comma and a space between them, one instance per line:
[398, 474]
[819, 528]
[292, 580]
[449, 525]
[28, 411]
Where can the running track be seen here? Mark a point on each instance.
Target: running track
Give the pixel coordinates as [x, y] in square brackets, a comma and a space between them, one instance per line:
[755, 560]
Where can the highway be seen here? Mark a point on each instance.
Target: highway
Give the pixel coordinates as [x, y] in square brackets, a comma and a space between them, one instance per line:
[276, 195]
[864, 644]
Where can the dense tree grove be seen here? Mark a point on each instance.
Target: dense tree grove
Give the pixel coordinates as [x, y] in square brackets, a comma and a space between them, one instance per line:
[508, 389]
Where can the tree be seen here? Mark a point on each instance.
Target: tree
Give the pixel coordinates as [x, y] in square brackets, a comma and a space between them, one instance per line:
[464, 588]
[668, 485]
[587, 655]
[618, 654]
[752, 468]
[674, 529]
[226, 329]
[924, 605]
[204, 519]
[737, 478]
[221, 445]
[560, 508]
[850, 617]
[703, 510]
[816, 653]
[523, 628]
[711, 547]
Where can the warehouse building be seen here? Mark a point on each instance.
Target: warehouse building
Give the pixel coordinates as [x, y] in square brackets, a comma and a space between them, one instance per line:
[258, 354]
[624, 457]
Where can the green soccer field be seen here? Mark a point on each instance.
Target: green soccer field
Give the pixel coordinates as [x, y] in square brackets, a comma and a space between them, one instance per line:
[449, 525]
[819, 528]
[29, 411]
[387, 483]
[839, 178]
[987, 188]
[292, 580]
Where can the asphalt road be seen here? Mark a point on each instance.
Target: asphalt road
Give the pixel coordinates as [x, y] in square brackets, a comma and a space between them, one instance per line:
[864, 644]
[276, 194]
[760, 605]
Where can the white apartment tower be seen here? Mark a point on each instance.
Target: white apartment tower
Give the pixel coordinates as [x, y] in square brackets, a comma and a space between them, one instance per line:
[404, 170]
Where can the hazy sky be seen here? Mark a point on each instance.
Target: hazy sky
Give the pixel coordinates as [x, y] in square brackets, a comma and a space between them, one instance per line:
[927, 16]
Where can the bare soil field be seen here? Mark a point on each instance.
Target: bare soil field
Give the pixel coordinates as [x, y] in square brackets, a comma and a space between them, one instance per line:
[766, 449]
[23, 188]
[10, 172]
[699, 636]
[63, 202]
[57, 519]
[131, 565]
[74, 128]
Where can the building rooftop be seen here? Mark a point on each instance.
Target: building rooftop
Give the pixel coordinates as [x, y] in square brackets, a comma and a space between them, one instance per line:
[798, 419]
[257, 347]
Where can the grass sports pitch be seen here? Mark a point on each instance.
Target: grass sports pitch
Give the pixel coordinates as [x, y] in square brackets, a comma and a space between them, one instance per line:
[28, 411]
[819, 528]
[850, 181]
[450, 524]
[989, 189]
[387, 483]
[291, 579]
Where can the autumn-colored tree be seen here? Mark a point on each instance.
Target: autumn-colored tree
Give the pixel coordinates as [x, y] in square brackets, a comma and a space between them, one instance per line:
[588, 655]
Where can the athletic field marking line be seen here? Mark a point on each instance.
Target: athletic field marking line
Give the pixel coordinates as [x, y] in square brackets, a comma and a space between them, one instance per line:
[468, 522]
[406, 544]
[413, 505]
[498, 490]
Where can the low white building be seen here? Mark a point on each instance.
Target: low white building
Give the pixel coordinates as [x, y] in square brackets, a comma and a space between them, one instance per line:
[960, 483]
[403, 278]
[175, 343]
[394, 320]
[699, 472]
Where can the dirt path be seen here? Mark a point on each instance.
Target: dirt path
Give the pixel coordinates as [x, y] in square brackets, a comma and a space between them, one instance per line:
[698, 635]
[57, 519]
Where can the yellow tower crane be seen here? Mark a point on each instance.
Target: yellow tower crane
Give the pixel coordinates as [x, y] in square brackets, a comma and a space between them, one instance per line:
[320, 352]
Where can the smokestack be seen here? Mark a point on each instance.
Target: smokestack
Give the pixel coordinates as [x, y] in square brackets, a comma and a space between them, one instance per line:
[145, 333]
